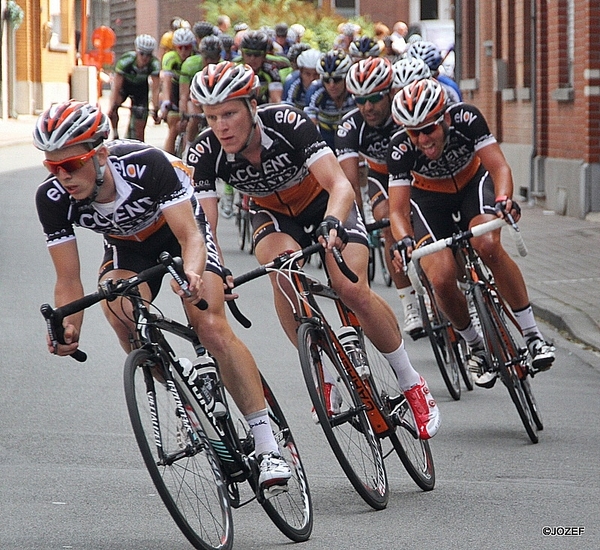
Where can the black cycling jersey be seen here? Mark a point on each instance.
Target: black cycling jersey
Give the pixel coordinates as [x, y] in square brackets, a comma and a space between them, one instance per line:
[283, 183]
[145, 183]
[468, 132]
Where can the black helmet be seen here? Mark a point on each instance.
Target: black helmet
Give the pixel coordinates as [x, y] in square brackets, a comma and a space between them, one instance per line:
[202, 29]
[255, 40]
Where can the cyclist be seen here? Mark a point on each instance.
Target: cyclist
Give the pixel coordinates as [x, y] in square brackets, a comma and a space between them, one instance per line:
[132, 71]
[366, 132]
[184, 43]
[364, 47]
[254, 46]
[327, 100]
[407, 70]
[447, 165]
[274, 154]
[141, 199]
[431, 54]
[295, 87]
[210, 52]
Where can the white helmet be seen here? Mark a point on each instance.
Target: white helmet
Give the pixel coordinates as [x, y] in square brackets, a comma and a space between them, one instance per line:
[183, 37]
[222, 82]
[145, 43]
[419, 104]
[409, 69]
[369, 76]
[308, 59]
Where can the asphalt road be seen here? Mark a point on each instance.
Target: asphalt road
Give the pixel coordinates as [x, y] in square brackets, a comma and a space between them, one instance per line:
[72, 477]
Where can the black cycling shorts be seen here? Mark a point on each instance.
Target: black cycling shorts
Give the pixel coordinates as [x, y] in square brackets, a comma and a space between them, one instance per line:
[136, 256]
[438, 215]
[302, 228]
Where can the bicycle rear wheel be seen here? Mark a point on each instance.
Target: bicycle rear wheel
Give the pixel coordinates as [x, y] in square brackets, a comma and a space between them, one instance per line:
[414, 453]
[443, 340]
[181, 462]
[506, 357]
[387, 277]
[348, 430]
[290, 511]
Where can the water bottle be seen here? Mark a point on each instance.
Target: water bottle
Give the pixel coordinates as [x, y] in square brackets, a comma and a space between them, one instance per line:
[202, 376]
[348, 337]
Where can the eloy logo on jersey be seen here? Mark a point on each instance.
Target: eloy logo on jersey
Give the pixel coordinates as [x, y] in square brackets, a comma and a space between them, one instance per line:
[288, 116]
[130, 170]
[346, 126]
[466, 117]
[398, 150]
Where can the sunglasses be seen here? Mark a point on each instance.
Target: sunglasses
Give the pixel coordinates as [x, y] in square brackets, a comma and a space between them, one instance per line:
[70, 164]
[185, 47]
[145, 54]
[253, 53]
[427, 130]
[330, 79]
[373, 98]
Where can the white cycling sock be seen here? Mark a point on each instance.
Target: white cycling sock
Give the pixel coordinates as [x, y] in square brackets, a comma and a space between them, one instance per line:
[264, 440]
[408, 297]
[471, 336]
[405, 372]
[527, 323]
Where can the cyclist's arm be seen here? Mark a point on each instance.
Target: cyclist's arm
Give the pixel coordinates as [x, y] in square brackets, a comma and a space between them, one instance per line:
[399, 201]
[68, 287]
[330, 176]
[155, 86]
[350, 167]
[495, 163]
[115, 93]
[182, 223]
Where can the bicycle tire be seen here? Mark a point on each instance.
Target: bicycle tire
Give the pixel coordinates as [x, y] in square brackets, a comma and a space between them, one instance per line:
[438, 330]
[192, 487]
[242, 229]
[503, 350]
[349, 433]
[414, 453]
[385, 272]
[371, 265]
[291, 511]
[461, 350]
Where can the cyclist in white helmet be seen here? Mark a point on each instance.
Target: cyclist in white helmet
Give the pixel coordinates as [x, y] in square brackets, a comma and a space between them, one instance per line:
[140, 214]
[297, 84]
[447, 168]
[132, 72]
[365, 132]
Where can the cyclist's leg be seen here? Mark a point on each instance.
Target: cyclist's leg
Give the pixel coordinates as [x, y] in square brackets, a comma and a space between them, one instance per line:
[139, 111]
[413, 323]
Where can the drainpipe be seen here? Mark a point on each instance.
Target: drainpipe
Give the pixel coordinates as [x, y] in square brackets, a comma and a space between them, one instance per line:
[534, 133]
[458, 33]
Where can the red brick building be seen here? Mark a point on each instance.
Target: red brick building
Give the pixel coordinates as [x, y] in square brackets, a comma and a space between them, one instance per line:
[533, 67]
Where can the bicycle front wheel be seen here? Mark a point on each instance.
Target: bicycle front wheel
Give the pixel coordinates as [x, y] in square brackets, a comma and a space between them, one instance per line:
[181, 462]
[346, 425]
[507, 358]
[290, 511]
[413, 452]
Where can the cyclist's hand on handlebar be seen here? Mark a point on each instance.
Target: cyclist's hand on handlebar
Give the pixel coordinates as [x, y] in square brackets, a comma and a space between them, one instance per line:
[401, 252]
[71, 338]
[195, 288]
[331, 233]
[228, 285]
[503, 206]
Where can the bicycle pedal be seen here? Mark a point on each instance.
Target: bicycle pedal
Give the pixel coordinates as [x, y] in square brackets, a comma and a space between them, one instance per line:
[274, 490]
[417, 334]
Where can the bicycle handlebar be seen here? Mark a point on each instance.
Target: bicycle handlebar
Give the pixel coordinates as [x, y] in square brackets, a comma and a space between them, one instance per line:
[110, 290]
[377, 224]
[277, 263]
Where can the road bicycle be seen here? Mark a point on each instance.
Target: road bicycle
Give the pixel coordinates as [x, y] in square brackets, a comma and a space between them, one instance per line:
[372, 419]
[377, 251]
[504, 344]
[197, 459]
[243, 204]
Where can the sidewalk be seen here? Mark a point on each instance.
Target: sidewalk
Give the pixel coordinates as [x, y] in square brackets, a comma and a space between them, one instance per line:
[562, 269]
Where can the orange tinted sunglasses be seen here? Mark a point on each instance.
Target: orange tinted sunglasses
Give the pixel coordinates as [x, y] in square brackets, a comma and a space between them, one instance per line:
[70, 164]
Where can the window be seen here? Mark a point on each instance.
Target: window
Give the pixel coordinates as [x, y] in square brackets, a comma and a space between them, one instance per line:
[58, 29]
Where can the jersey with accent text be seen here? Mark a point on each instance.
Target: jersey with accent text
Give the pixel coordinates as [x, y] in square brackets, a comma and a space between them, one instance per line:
[146, 180]
[468, 132]
[290, 144]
